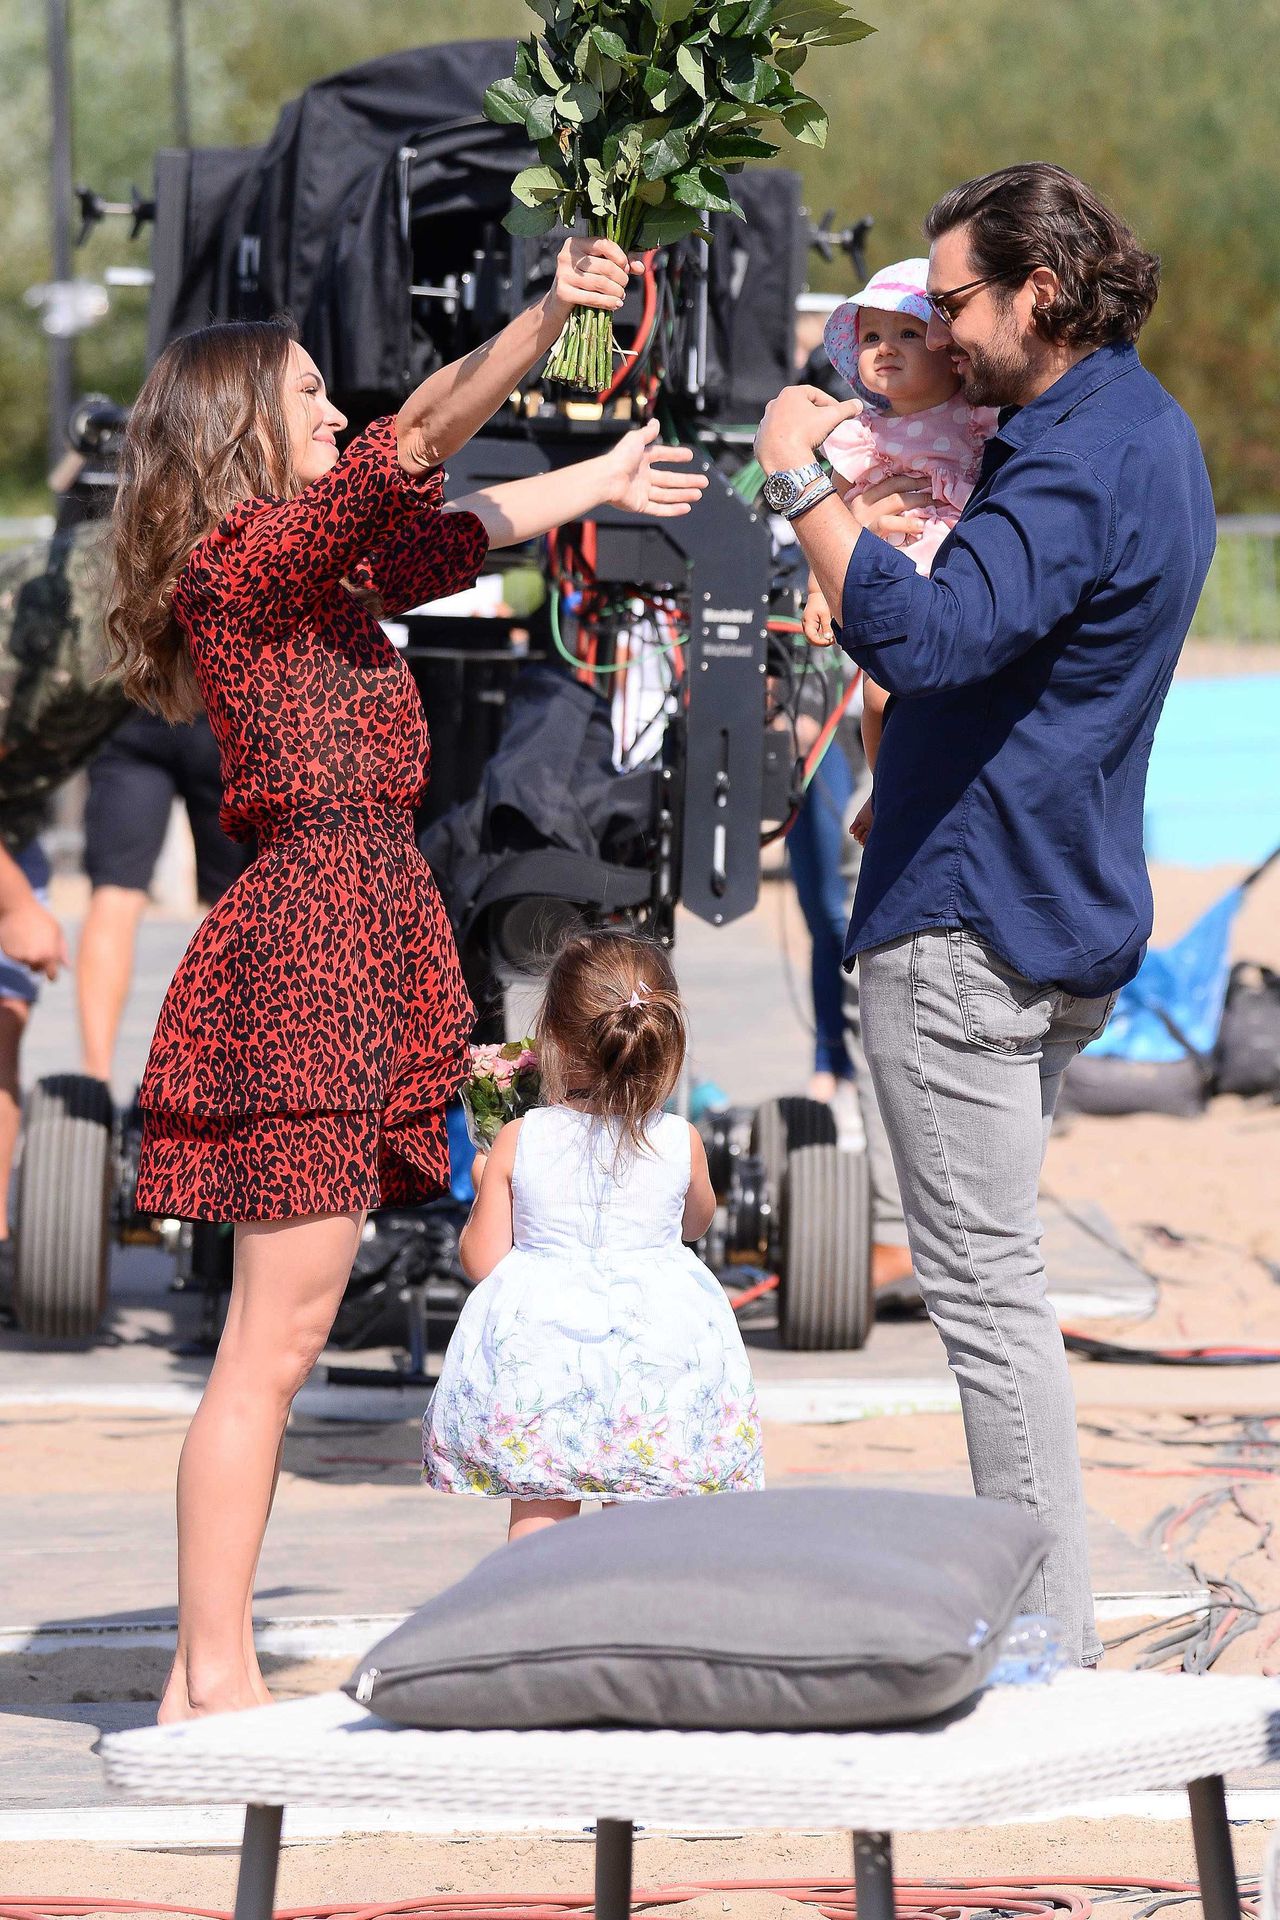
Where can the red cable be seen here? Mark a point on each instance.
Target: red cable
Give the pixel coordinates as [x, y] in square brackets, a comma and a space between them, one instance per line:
[1065, 1897]
[643, 331]
[739, 1300]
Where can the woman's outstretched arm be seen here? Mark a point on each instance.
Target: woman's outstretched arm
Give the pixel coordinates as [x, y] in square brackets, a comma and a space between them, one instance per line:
[636, 474]
[453, 403]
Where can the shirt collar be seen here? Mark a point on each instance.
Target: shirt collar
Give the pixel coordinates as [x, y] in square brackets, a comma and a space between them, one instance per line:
[1019, 426]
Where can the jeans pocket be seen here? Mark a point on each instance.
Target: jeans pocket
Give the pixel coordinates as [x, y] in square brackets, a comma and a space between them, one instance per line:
[1093, 1016]
[1000, 1009]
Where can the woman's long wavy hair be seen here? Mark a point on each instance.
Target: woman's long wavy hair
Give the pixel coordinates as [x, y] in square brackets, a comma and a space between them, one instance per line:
[610, 1032]
[1038, 215]
[207, 431]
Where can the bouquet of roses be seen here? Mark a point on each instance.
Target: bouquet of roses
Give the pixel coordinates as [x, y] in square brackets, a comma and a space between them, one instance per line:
[504, 1084]
[640, 109]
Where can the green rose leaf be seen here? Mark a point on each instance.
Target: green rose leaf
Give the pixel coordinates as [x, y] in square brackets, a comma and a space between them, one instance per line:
[667, 224]
[806, 121]
[547, 66]
[529, 222]
[578, 104]
[538, 184]
[652, 192]
[667, 155]
[540, 121]
[745, 77]
[620, 154]
[690, 68]
[507, 103]
[725, 148]
[790, 59]
[702, 187]
[667, 12]
[611, 45]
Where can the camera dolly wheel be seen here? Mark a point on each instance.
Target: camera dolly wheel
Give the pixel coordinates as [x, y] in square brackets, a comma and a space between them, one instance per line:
[63, 1229]
[821, 1226]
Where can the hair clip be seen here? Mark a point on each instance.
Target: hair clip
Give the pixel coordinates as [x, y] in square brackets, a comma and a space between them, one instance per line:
[639, 988]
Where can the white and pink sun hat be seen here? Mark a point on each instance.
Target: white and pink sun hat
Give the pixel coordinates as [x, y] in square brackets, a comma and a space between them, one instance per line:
[896, 289]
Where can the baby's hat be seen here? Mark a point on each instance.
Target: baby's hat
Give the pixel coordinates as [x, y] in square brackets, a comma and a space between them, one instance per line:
[896, 289]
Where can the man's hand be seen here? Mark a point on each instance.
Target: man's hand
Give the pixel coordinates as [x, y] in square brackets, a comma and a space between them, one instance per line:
[796, 424]
[589, 273]
[636, 470]
[30, 935]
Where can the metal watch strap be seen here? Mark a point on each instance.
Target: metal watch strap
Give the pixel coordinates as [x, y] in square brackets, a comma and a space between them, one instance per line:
[814, 493]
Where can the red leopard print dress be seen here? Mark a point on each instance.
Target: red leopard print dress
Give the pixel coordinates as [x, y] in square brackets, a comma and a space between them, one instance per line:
[318, 1024]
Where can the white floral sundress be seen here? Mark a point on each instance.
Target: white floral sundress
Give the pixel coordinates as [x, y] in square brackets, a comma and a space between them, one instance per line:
[600, 1358]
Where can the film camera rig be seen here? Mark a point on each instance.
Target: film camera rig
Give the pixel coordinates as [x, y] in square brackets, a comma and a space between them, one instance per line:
[373, 216]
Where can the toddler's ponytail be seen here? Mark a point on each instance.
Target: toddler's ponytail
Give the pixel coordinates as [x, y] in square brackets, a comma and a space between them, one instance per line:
[611, 1031]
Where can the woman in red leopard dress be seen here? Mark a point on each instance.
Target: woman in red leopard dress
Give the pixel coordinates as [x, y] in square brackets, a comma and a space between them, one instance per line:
[318, 1023]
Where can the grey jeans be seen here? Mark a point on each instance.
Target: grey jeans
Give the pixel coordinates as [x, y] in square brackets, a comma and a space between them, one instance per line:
[967, 1057]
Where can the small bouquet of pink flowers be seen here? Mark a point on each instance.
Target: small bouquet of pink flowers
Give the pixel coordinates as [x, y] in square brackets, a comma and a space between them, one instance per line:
[504, 1084]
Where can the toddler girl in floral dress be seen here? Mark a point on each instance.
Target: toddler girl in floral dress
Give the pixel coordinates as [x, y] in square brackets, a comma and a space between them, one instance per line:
[597, 1358]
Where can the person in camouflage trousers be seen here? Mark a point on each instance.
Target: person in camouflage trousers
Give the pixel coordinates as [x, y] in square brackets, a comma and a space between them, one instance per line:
[56, 708]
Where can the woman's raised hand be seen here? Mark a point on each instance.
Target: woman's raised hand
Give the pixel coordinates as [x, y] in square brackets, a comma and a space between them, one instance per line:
[640, 476]
[591, 273]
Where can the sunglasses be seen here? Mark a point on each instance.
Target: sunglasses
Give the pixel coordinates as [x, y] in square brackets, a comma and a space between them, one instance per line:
[943, 304]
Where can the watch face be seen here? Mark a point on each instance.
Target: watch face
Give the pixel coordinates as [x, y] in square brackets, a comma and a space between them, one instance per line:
[781, 491]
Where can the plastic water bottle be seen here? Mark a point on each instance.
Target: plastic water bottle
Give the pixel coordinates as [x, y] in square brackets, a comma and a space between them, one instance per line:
[1031, 1653]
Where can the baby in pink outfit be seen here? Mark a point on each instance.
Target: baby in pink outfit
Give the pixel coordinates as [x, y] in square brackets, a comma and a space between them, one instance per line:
[914, 420]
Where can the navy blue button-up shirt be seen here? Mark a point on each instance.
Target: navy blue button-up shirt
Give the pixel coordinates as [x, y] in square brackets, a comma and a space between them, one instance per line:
[1028, 675]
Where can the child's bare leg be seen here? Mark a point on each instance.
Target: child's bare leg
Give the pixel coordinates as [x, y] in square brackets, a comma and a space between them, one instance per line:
[531, 1516]
[289, 1279]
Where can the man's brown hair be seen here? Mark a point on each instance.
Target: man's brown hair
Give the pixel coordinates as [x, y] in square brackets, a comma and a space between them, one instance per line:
[1037, 215]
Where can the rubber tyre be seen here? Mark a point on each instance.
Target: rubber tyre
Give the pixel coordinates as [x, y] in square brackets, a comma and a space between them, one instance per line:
[825, 1291]
[62, 1238]
[781, 1126]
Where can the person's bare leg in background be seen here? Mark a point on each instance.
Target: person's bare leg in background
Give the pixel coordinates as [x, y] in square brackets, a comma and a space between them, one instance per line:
[104, 972]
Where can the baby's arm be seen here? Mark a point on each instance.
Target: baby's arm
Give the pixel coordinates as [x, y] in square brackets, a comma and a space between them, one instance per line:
[700, 1201]
[488, 1235]
[874, 701]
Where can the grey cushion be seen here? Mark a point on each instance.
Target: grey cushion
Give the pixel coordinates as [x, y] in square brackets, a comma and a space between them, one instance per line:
[782, 1610]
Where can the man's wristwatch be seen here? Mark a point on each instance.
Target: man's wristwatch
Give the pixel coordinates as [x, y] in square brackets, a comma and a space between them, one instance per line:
[784, 490]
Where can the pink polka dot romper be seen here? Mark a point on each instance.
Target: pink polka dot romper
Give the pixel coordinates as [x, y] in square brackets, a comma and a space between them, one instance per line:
[944, 442]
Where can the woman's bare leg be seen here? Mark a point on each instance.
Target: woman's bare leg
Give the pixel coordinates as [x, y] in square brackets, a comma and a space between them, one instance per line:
[531, 1516]
[288, 1283]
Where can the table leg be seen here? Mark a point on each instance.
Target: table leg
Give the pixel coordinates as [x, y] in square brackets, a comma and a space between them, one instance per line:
[873, 1876]
[259, 1858]
[613, 1870]
[1219, 1893]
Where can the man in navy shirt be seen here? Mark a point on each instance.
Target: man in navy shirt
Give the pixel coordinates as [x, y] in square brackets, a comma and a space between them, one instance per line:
[1004, 896]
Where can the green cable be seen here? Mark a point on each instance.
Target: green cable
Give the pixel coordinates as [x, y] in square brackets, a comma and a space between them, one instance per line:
[618, 666]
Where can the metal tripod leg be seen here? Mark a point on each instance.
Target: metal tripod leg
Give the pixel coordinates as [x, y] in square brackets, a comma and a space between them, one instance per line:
[613, 1870]
[259, 1858]
[1219, 1893]
[873, 1875]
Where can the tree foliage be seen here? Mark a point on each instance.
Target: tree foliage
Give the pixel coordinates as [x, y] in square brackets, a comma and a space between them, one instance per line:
[1165, 106]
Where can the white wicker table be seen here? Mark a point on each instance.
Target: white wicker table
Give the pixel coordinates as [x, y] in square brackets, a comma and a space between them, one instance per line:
[1020, 1753]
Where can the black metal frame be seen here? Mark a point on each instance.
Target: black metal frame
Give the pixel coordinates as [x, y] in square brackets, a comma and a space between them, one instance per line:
[872, 1862]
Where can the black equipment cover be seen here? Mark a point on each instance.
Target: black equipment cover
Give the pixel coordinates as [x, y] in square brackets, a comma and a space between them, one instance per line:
[389, 174]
